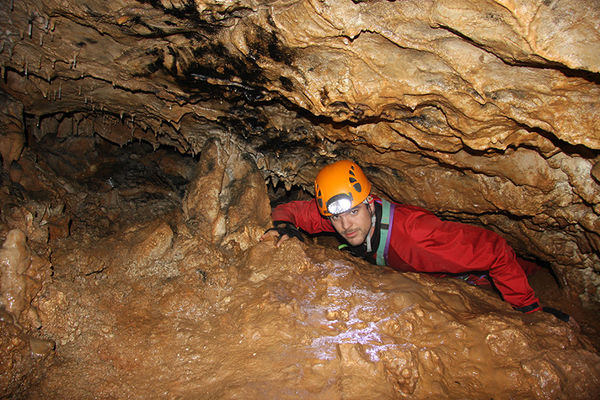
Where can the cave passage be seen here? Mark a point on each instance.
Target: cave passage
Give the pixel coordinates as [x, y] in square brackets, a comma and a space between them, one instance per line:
[129, 291]
[143, 144]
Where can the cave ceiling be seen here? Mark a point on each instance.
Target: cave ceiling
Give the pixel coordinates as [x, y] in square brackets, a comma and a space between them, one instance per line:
[482, 111]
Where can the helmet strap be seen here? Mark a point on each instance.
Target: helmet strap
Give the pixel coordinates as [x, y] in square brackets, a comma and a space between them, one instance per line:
[373, 222]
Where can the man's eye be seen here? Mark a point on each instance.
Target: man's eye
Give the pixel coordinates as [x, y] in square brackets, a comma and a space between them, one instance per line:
[354, 211]
[333, 218]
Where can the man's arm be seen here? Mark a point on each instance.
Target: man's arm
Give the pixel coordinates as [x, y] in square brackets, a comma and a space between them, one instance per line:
[302, 214]
[433, 245]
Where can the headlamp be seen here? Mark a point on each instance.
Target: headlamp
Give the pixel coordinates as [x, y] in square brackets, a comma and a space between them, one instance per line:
[339, 203]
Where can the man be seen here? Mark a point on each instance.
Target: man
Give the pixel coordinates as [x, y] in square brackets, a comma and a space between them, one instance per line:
[404, 237]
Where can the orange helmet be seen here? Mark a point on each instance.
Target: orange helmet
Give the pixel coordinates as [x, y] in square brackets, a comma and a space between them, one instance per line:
[340, 186]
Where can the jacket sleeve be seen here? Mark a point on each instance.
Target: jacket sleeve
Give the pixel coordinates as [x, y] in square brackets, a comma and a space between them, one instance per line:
[432, 245]
[304, 214]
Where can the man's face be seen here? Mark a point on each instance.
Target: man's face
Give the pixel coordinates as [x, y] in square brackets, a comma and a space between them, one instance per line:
[354, 225]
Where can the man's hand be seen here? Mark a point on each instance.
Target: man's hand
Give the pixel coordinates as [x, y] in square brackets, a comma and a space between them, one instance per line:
[274, 235]
[557, 313]
[562, 316]
[281, 232]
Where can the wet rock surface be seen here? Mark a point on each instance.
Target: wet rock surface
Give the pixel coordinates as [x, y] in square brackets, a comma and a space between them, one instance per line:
[302, 322]
[149, 306]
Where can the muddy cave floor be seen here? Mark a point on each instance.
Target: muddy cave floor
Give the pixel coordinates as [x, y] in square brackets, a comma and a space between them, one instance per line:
[195, 320]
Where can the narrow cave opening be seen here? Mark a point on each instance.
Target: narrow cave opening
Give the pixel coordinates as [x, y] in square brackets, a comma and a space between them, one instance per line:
[546, 283]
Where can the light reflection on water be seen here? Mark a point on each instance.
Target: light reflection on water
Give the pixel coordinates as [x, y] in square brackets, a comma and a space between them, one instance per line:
[325, 347]
[360, 303]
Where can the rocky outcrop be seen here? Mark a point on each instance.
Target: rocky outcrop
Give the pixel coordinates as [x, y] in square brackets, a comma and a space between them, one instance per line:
[227, 201]
[295, 321]
[485, 112]
[22, 276]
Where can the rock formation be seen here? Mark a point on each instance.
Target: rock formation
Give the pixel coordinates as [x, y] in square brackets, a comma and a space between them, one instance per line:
[483, 112]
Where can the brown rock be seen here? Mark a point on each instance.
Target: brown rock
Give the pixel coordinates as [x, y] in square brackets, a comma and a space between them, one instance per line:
[22, 276]
[149, 243]
[12, 139]
[322, 323]
[227, 200]
[458, 106]
[14, 261]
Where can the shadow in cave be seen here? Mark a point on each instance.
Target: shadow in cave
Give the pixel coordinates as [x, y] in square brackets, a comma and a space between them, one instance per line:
[99, 182]
[567, 148]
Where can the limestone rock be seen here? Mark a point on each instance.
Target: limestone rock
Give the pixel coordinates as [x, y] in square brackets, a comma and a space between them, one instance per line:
[150, 243]
[22, 274]
[15, 260]
[15, 361]
[304, 321]
[227, 200]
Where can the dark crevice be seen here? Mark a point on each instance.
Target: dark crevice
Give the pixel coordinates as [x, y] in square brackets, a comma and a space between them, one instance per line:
[565, 147]
[97, 272]
[280, 195]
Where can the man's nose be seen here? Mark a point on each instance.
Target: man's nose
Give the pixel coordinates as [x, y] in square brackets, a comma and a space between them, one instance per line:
[345, 222]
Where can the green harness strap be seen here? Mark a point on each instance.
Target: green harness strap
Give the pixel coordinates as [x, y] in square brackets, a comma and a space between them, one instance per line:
[383, 232]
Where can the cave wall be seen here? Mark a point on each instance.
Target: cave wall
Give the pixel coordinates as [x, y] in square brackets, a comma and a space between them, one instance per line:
[485, 112]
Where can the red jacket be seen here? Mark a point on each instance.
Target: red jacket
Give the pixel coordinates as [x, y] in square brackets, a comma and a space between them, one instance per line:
[421, 242]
